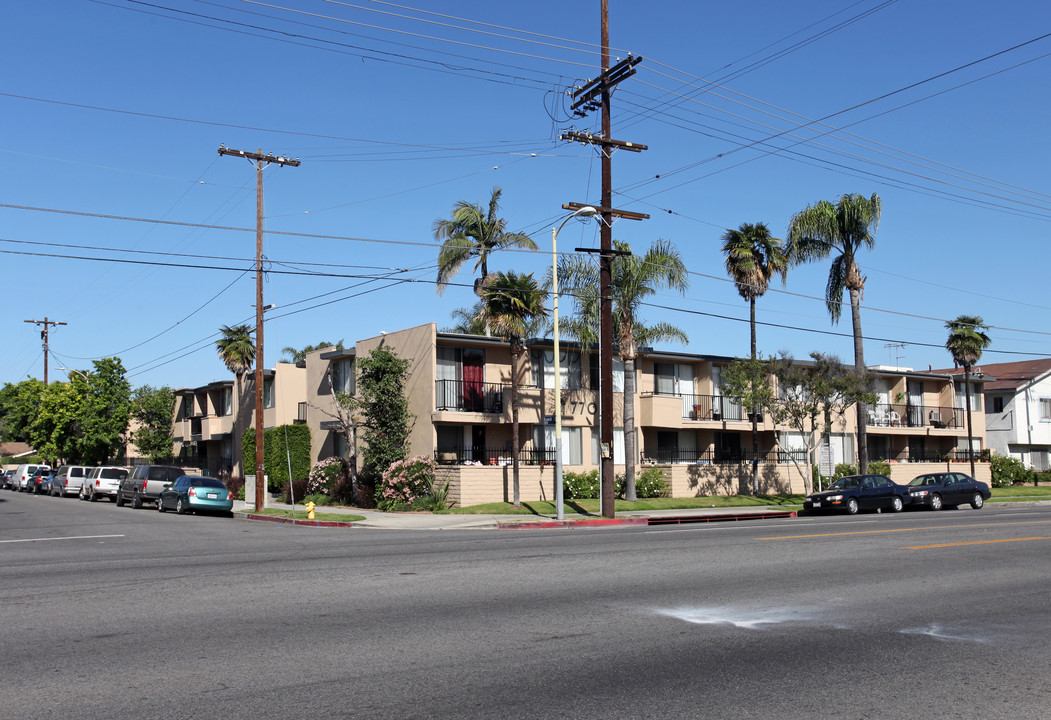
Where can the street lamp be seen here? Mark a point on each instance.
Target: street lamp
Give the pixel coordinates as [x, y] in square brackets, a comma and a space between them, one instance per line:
[586, 211]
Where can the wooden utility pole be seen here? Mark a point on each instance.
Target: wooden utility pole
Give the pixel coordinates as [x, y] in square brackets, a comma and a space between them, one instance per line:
[261, 161]
[585, 98]
[43, 336]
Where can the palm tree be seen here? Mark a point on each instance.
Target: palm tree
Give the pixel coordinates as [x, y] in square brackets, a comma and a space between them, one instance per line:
[472, 232]
[966, 341]
[632, 280]
[753, 257]
[512, 303]
[840, 230]
[468, 320]
[237, 350]
[300, 355]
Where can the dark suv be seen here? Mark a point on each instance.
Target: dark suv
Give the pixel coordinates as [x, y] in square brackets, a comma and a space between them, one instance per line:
[145, 482]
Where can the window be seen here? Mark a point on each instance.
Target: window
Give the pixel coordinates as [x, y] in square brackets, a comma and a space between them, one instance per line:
[594, 377]
[343, 376]
[998, 404]
[1045, 409]
[543, 369]
[187, 406]
[268, 392]
[976, 396]
[341, 448]
[618, 446]
[226, 401]
[572, 446]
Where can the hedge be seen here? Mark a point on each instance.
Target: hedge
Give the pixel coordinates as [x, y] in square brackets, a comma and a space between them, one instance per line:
[275, 458]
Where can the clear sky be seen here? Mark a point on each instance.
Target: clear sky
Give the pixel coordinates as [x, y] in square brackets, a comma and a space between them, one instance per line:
[751, 110]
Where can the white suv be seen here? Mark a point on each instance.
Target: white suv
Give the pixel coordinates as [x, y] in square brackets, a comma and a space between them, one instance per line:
[103, 481]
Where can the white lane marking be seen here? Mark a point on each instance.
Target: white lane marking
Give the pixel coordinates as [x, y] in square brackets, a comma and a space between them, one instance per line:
[76, 537]
[748, 619]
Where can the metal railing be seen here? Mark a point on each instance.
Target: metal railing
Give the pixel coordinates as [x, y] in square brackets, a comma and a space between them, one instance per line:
[711, 456]
[492, 456]
[707, 407]
[954, 455]
[904, 415]
[469, 396]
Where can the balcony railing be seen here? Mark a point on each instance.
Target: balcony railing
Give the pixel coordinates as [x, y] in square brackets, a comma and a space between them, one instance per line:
[468, 396]
[900, 415]
[708, 407]
[954, 455]
[711, 456]
[492, 456]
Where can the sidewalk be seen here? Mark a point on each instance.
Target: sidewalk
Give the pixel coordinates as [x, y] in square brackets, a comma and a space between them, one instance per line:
[448, 521]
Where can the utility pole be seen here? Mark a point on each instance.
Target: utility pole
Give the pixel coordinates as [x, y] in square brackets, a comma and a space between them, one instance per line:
[261, 161]
[585, 98]
[43, 336]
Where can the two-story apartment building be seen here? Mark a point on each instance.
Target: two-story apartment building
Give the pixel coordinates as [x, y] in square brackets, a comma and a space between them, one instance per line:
[459, 390]
[203, 423]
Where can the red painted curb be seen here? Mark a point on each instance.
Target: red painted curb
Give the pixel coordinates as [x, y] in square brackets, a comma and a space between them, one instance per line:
[682, 519]
[570, 523]
[296, 521]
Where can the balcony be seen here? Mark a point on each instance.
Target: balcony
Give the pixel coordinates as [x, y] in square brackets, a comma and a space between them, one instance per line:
[915, 416]
[458, 455]
[728, 456]
[656, 409]
[468, 396]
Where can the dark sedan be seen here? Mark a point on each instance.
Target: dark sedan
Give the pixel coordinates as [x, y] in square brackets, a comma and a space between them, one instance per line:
[948, 489]
[858, 492]
[40, 481]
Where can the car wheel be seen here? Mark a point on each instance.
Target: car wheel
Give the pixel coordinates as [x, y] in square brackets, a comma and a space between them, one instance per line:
[80, 495]
[180, 508]
[119, 499]
[936, 502]
[897, 505]
[92, 497]
[852, 507]
[977, 502]
[136, 502]
[230, 513]
[160, 504]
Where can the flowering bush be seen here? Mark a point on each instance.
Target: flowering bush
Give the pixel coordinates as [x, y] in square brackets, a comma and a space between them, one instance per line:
[405, 483]
[326, 476]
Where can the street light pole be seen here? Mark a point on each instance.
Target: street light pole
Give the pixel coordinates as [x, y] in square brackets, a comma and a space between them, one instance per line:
[586, 211]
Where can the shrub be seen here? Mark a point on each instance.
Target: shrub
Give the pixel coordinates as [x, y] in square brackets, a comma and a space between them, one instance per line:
[650, 483]
[299, 487]
[580, 486]
[880, 467]
[317, 499]
[1007, 470]
[326, 476]
[404, 483]
[843, 469]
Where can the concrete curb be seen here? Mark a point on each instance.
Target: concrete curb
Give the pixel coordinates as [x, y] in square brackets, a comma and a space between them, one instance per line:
[648, 520]
[603, 522]
[297, 521]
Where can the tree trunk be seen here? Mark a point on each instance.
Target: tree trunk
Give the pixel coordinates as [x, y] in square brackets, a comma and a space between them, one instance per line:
[629, 429]
[967, 396]
[755, 410]
[859, 365]
[515, 354]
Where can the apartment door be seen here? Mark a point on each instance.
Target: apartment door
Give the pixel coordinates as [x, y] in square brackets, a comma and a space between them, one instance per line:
[473, 379]
[667, 446]
[915, 403]
[478, 443]
[727, 447]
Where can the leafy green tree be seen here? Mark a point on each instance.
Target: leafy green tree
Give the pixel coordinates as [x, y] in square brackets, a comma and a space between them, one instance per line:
[468, 320]
[296, 356]
[386, 421]
[753, 257]
[512, 302]
[56, 429]
[153, 408]
[967, 340]
[749, 383]
[473, 232]
[237, 350]
[840, 230]
[18, 408]
[106, 412]
[632, 280]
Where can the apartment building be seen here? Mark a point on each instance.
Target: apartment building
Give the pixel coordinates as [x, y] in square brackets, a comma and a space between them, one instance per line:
[459, 391]
[203, 423]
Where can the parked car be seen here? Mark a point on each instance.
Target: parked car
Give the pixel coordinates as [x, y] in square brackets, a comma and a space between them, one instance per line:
[196, 494]
[859, 492]
[103, 481]
[948, 489]
[5, 478]
[39, 482]
[22, 473]
[145, 482]
[69, 479]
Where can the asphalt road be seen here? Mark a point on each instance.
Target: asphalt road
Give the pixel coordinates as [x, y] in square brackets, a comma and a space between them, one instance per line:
[110, 612]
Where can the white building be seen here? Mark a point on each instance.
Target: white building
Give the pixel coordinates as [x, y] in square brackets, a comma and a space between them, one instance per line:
[1018, 410]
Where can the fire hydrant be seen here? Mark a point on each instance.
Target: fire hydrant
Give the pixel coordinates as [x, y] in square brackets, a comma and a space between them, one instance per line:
[310, 510]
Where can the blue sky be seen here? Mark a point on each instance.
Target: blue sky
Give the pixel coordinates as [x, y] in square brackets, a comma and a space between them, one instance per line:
[751, 110]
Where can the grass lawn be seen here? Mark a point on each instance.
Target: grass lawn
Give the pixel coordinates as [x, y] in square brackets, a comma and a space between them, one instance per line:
[1021, 492]
[302, 515]
[591, 507]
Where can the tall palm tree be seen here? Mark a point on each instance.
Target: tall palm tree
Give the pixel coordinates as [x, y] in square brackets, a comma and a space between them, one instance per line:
[473, 232]
[301, 354]
[966, 341]
[632, 280]
[511, 304]
[840, 230]
[236, 347]
[753, 257]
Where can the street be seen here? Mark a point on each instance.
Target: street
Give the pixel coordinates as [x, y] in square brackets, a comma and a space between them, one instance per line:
[115, 613]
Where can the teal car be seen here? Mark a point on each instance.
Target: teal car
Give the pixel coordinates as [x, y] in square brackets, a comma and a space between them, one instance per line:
[190, 493]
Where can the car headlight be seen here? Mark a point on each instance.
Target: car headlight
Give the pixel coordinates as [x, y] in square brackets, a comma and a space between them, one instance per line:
[834, 498]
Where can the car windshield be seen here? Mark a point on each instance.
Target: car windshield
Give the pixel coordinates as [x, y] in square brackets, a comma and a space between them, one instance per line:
[924, 480]
[845, 483]
[207, 482]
